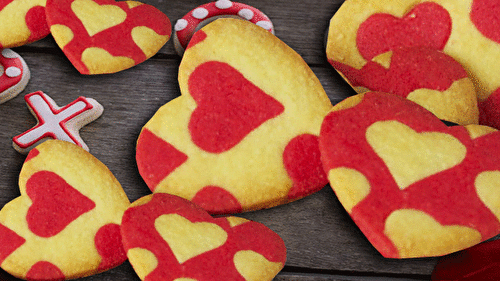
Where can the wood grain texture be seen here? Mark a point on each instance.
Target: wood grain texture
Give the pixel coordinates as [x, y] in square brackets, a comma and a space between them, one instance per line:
[322, 241]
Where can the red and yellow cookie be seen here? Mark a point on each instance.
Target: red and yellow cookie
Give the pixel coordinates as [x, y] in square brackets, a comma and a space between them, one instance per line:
[169, 238]
[414, 186]
[466, 30]
[22, 22]
[104, 36]
[66, 223]
[244, 133]
[424, 75]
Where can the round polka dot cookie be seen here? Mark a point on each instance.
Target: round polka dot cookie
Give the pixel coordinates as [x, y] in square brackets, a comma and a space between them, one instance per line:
[415, 187]
[202, 15]
[14, 75]
[22, 22]
[169, 238]
[465, 30]
[66, 222]
[244, 133]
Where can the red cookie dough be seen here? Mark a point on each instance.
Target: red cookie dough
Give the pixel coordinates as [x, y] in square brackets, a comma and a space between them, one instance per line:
[66, 223]
[22, 22]
[202, 15]
[415, 187]
[465, 30]
[169, 238]
[104, 36]
[246, 124]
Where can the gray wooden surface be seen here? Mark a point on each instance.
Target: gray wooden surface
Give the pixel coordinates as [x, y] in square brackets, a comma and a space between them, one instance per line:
[322, 241]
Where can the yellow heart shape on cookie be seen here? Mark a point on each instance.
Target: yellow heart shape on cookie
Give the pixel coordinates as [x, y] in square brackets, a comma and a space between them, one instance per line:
[427, 153]
[189, 239]
[90, 14]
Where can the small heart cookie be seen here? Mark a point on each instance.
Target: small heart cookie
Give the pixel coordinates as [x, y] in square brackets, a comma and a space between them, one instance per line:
[14, 75]
[361, 30]
[104, 36]
[246, 124]
[426, 76]
[169, 238]
[414, 186]
[66, 223]
[22, 22]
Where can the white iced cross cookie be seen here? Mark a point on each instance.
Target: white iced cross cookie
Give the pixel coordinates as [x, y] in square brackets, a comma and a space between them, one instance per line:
[14, 75]
[56, 122]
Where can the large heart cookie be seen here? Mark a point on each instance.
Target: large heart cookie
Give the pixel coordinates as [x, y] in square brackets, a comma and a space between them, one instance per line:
[465, 30]
[66, 223]
[104, 36]
[22, 22]
[169, 238]
[246, 124]
[414, 186]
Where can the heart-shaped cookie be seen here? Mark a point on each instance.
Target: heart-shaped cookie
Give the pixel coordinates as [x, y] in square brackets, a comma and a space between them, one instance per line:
[169, 238]
[361, 30]
[104, 36]
[414, 186]
[66, 223]
[246, 124]
[424, 75]
[22, 22]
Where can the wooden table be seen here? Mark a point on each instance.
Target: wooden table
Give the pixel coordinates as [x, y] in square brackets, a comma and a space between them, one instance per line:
[322, 241]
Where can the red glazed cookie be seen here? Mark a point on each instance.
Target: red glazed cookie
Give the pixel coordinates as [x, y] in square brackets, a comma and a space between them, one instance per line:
[246, 124]
[426, 76]
[104, 36]
[465, 30]
[202, 15]
[66, 222]
[14, 75]
[22, 22]
[169, 238]
[414, 186]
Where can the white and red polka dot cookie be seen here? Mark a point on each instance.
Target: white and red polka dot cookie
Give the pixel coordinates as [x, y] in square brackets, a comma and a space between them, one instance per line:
[66, 222]
[202, 15]
[14, 75]
[424, 75]
[246, 124]
[169, 238]
[466, 30]
[104, 36]
[415, 187]
[54, 122]
[22, 22]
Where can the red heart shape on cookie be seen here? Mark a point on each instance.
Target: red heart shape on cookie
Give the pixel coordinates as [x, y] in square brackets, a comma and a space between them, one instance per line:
[247, 124]
[484, 15]
[169, 238]
[104, 36]
[414, 186]
[426, 25]
[66, 223]
[229, 106]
